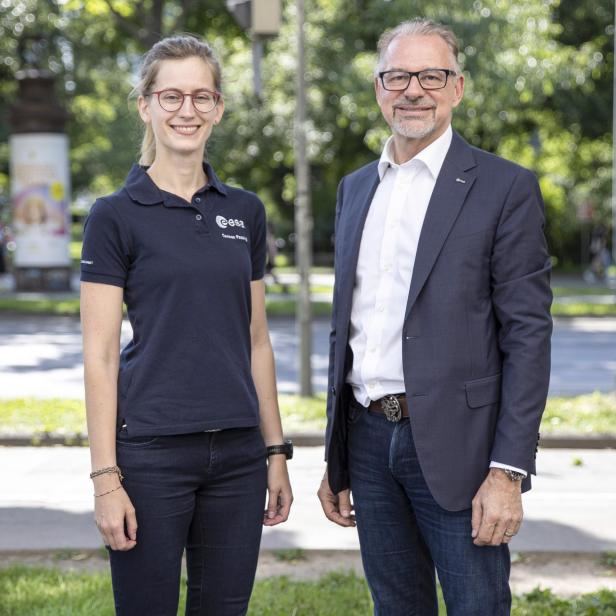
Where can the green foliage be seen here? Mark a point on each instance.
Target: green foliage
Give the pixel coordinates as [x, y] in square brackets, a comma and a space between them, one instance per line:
[608, 559]
[538, 90]
[38, 591]
[291, 555]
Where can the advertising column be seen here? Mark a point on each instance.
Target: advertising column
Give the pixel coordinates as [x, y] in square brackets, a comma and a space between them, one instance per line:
[40, 187]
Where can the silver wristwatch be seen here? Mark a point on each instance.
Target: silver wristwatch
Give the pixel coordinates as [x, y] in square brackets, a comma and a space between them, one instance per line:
[514, 475]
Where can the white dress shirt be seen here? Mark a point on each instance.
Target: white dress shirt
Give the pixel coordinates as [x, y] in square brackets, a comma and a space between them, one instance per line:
[384, 269]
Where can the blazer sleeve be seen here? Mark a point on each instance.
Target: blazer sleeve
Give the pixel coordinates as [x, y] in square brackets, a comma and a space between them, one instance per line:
[521, 297]
[331, 391]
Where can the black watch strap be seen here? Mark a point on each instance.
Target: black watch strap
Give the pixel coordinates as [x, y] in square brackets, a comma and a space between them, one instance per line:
[286, 448]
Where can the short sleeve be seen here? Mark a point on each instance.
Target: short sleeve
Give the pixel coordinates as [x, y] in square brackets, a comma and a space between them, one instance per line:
[258, 242]
[104, 254]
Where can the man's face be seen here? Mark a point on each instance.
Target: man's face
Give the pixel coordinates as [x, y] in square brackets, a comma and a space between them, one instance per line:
[417, 114]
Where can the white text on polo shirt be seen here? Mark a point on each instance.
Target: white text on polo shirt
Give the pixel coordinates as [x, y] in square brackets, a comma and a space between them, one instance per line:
[223, 222]
[234, 237]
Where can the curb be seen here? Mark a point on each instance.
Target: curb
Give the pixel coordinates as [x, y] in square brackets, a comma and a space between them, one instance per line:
[307, 439]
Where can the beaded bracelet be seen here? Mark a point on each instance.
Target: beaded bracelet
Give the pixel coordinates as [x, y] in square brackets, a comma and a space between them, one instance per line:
[108, 469]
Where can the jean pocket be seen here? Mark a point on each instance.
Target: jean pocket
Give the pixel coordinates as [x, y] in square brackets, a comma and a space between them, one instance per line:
[355, 412]
[134, 442]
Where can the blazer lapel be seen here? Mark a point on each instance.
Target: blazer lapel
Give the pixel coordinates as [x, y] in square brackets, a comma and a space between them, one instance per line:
[353, 217]
[450, 191]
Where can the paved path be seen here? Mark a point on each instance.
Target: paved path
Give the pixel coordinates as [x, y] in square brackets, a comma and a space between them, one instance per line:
[46, 503]
[41, 356]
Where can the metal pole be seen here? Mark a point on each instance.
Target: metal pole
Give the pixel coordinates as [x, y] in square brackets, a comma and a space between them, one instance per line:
[257, 56]
[303, 216]
[614, 151]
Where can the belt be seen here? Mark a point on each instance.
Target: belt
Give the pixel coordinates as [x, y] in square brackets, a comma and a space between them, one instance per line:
[393, 406]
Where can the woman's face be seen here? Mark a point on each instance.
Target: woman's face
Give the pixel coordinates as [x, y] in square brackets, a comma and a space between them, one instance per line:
[186, 130]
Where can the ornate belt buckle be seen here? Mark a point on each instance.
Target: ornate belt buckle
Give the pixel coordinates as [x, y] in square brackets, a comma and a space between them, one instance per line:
[391, 407]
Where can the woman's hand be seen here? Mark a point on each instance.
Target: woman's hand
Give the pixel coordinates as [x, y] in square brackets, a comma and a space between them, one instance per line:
[114, 514]
[280, 495]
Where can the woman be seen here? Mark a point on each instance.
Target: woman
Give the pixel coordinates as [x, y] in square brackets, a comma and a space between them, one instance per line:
[179, 422]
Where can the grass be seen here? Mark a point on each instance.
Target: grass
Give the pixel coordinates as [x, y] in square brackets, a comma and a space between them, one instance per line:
[588, 414]
[40, 591]
[583, 309]
[568, 291]
[290, 555]
[275, 307]
[70, 307]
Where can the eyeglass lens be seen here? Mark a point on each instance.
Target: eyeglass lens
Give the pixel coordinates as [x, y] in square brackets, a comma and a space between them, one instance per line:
[429, 79]
[172, 100]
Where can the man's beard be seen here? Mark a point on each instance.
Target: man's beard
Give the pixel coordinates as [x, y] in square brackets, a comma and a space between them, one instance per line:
[414, 129]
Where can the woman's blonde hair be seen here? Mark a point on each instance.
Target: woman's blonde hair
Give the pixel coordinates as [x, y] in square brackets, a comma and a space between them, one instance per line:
[176, 47]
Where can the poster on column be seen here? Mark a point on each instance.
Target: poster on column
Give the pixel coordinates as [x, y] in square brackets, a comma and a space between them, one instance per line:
[40, 197]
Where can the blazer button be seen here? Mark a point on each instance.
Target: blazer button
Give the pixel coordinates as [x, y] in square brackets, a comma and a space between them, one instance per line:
[333, 390]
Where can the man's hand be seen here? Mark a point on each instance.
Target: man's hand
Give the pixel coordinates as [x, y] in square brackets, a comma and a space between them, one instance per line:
[337, 507]
[497, 509]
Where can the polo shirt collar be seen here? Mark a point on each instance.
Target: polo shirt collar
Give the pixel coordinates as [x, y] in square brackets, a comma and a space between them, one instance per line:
[142, 189]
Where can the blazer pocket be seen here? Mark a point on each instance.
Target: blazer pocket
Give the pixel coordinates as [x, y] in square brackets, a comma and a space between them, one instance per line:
[481, 392]
[466, 241]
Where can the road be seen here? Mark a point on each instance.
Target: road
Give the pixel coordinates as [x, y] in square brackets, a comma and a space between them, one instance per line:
[41, 356]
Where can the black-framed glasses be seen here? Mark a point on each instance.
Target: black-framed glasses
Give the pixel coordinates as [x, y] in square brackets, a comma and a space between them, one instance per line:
[203, 100]
[429, 78]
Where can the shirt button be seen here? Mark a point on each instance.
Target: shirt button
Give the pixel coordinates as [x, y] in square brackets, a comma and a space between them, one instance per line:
[197, 199]
[380, 308]
[386, 268]
[198, 217]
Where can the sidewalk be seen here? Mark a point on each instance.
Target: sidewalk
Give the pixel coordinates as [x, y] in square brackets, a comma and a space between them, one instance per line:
[46, 503]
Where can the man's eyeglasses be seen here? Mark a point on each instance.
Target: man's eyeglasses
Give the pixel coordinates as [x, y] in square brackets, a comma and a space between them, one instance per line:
[429, 79]
[202, 100]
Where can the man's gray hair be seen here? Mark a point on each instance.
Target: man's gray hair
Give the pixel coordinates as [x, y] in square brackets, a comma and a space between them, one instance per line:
[418, 27]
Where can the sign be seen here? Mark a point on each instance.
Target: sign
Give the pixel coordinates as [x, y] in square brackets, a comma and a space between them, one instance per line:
[40, 197]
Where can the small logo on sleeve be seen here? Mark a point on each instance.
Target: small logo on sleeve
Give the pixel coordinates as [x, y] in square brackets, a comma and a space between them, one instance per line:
[87, 262]
[223, 222]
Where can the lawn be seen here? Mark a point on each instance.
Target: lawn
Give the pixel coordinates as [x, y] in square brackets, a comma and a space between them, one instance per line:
[49, 592]
[588, 414]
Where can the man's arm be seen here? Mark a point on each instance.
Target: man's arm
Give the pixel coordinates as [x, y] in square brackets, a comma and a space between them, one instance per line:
[336, 507]
[521, 298]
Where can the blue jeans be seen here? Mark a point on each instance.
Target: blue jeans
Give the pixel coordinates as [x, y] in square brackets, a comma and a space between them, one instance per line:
[404, 534]
[202, 492]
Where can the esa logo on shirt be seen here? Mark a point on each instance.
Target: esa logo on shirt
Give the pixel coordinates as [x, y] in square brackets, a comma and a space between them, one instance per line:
[223, 222]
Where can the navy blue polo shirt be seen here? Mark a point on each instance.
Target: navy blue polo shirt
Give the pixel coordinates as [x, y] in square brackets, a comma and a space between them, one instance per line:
[186, 270]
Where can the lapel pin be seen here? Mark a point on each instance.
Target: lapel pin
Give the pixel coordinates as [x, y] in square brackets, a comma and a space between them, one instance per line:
[461, 180]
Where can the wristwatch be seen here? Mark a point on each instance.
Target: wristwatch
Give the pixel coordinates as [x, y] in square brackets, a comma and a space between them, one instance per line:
[286, 448]
[514, 475]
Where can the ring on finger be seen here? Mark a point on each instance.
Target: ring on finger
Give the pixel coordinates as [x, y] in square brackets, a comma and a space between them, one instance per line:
[509, 534]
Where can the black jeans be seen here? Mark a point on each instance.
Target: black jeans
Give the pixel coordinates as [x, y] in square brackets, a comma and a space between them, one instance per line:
[204, 492]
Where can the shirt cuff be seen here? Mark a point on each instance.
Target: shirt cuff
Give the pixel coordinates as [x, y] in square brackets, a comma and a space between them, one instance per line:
[508, 467]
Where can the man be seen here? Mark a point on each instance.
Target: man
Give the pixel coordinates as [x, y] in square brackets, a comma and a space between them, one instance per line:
[440, 345]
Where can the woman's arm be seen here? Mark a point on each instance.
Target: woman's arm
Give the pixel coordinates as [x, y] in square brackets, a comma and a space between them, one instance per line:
[101, 321]
[264, 377]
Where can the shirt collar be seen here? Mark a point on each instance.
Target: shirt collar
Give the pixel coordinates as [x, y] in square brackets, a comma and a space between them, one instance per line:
[142, 189]
[432, 155]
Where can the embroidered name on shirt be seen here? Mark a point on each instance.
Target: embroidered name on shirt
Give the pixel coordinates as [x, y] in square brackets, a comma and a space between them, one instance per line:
[234, 237]
[223, 222]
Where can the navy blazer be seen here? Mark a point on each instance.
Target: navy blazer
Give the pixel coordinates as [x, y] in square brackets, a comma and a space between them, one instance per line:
[476, 332]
